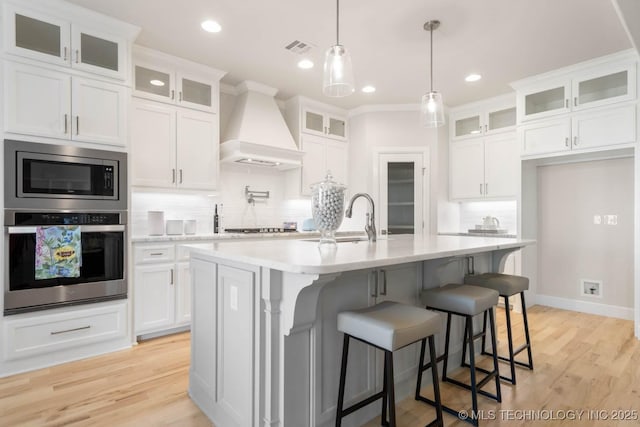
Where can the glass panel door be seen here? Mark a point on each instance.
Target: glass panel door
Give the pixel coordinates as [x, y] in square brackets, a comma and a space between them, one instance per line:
[467, 126]
[151, 81]
[99, 52]
[546, 101]
[313, 122]
[602, 88]
[36, 35]
[400, 198]
[337, 127]
[502, 119]
[195, 92]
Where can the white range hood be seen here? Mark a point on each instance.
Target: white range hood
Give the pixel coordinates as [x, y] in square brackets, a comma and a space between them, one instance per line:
[257, 133]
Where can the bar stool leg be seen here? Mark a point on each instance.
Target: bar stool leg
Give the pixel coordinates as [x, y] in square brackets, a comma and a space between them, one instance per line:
[484, 333]
[384, 421]
[434, 376]
[512, 364]
[472, 364]
[494, 347]
[526, 329]
[446, 349]
[343, 374]
[391, 388]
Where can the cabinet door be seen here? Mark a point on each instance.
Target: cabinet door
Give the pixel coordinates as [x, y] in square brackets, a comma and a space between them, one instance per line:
[548, 136]
[98, 52]
[196, 92]
[99, 112]
[35, 35]
[466, 125]
[313, 122]
[154, 82]
[313, 163]
[600, 87]
[399, 283]
[466, 163]
[605, 127]
[336, 127]
[501, 161]
[337, 154]
[500, 120]
[153, 145]
[544, 101]
[154, 297]
[37, 101]
[197, 150]
[183, 293]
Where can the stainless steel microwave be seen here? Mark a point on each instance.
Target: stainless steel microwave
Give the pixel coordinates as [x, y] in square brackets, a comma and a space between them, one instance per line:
[49, 176]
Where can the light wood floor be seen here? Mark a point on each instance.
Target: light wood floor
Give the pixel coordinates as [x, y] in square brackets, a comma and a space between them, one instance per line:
[583, 362]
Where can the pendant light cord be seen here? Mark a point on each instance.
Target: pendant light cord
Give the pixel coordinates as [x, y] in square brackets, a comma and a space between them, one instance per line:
[431, 57]
[338, 22]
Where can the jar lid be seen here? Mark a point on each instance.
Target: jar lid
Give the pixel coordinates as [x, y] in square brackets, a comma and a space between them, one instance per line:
[328, 182]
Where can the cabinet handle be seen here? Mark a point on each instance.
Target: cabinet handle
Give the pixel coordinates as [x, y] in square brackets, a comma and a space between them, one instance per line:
[173, 93]
[374, 288]
[64, 58]
[566, 141]
[566, 103]
[156, 254]
[180, 176]
[575, 101]
[486, 189]
[384, 282]
[485, 128]
[575, 140]
[480, 188]
[173, 176]
[171, 277]
[180, 96]
[66, 125]
[77, 56]
[81, 328]
[77, 125]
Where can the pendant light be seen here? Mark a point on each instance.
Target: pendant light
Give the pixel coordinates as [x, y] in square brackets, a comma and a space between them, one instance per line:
[338, 74]
[432, 108]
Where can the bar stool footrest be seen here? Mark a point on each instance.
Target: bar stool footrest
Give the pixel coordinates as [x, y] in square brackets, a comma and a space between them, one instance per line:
[362, 403]
[506, 359]
[446, 409]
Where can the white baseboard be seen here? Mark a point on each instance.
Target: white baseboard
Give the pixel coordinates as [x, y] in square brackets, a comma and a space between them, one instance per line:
[585, 306]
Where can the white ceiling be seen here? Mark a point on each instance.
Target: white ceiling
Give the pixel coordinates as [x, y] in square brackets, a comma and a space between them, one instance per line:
[504, 40]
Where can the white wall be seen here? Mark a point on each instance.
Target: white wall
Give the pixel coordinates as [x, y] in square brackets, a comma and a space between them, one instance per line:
[377, 129]
[570, 246]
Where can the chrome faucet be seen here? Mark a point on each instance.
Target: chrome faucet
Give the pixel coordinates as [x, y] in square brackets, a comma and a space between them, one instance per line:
[370, 227]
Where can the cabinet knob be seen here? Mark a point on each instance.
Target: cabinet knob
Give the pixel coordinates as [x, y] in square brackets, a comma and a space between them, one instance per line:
[575, 101]
[64, 57]
[566, 141]
[575, 140]
[173, 176]
[66, 126]
[77, 56]
[77, 125]
[173, 93]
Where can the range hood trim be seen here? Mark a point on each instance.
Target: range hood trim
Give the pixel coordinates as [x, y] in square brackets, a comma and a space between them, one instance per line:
[234, 151]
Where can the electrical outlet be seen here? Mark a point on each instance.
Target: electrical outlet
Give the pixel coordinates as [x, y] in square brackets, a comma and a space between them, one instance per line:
[591, 288]
[597, 219]
[611, 219]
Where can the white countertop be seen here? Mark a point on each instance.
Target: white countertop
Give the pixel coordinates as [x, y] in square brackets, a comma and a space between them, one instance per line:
[300, 256]
[236, 236]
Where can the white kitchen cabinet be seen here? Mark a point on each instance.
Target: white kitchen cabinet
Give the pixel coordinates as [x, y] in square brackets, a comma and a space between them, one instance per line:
[322, 155]
[172, 80]
[161, 287]
[484, 168]
[317, 122]
[76, 40]
[483, 118]
[44, 102]
[588, 130]
[576, 90]
[173, 147]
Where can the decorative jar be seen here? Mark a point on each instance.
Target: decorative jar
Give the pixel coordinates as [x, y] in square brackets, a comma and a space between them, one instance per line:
[327, 207]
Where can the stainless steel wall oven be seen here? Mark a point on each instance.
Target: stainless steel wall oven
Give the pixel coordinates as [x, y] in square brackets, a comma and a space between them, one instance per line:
[47, 186]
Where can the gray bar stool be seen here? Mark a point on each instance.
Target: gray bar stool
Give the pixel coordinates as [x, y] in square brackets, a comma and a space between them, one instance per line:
[507, 285]
[465, 301]
[388, 326]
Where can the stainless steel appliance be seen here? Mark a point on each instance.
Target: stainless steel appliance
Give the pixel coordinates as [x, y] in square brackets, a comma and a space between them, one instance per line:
[48, 176]
[48, 185]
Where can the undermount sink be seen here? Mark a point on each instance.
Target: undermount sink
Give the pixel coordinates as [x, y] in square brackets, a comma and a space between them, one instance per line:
[350, 239]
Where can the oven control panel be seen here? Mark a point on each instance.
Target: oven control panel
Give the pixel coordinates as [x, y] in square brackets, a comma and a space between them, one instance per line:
[66, 218]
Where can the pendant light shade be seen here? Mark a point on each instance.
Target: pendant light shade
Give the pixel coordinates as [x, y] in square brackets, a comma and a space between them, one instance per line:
[432, 107]
[338, 73]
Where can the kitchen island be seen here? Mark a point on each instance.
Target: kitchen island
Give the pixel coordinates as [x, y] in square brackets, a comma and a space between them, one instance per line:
[265, 347]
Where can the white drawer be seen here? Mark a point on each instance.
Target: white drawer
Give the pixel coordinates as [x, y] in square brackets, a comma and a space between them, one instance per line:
[30, 335]
[155, 253]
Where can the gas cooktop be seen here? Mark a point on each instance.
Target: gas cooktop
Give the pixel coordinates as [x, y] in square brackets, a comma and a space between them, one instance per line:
[260, 230]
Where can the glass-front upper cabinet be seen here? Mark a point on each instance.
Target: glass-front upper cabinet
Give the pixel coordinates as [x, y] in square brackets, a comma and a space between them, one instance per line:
[47, 38]
[604, 87]
[492, 116]
[324, 124]
[166, 85]
[547, 101]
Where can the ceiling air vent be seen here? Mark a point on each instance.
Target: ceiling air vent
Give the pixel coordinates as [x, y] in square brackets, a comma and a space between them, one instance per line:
[299, 47]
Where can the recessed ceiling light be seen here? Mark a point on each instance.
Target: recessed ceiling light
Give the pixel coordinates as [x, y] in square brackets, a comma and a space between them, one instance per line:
[369, 89]
[305, 64]
[472, 78]
[156, 82]
[211, 26]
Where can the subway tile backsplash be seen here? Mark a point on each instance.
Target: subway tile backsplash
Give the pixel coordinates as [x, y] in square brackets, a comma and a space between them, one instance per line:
[471, 214]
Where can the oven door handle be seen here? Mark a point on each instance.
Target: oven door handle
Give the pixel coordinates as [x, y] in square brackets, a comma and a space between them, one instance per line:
[83, 229]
